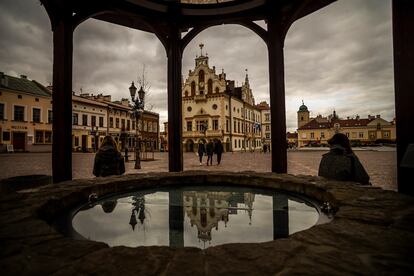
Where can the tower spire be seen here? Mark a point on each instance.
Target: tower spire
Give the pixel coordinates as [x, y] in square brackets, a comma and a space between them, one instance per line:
[201, 45]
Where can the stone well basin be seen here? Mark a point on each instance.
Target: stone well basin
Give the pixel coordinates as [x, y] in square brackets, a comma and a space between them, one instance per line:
[372, 232]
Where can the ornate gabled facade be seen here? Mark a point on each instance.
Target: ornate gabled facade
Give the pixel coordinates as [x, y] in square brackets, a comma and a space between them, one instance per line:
[213, 108]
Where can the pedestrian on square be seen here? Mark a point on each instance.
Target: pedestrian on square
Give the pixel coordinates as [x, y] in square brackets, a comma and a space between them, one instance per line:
[218, 149]
[201, 151]
[264, 148]
[340, 163]
[108, 160]
[209, 151]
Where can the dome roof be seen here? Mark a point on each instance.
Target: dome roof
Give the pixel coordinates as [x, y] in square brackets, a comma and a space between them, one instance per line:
[303, 107]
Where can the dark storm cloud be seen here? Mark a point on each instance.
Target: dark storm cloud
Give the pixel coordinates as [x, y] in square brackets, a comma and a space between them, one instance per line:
[337, 58]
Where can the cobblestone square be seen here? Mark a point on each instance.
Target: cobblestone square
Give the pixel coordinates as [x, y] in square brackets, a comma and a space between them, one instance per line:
[380, 165]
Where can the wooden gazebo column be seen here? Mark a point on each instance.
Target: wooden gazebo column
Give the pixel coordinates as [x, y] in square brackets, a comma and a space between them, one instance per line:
[275, 42]
[174, 55]
[62, 28]
[403, 38]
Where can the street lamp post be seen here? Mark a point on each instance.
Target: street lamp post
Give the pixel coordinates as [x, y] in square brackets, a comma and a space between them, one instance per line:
[138, 109]
[94, 132]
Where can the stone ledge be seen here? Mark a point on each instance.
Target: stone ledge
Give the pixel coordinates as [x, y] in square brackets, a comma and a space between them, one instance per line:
[372, 232]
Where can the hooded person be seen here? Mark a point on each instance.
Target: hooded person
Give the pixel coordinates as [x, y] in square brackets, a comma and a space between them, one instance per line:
[340, 163]
[108, 160]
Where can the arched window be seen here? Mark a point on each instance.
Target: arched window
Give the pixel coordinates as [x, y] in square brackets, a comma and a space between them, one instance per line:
[217, 90]
[200, 76]
[193, 88]
[210, 86]
[186, 93]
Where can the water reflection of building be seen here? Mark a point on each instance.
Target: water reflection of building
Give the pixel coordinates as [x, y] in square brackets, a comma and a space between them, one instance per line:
[206, 209]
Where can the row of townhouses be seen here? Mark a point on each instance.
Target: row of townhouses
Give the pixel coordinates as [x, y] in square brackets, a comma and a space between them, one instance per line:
[26, 118]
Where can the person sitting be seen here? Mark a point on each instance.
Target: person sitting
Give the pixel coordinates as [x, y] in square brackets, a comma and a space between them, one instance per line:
[108, 160]
[340, 163]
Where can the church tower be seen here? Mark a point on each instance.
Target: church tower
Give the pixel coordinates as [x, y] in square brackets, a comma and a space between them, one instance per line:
[303, 115]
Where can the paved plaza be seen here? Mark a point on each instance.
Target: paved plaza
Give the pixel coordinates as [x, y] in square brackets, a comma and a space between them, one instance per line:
[380, 164]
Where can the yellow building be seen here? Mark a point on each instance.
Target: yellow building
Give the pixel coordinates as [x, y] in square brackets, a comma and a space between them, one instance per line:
[360, 131]
[25, 115]
[214, 108]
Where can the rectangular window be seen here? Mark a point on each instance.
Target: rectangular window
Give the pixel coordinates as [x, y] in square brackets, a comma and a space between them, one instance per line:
[93, 120]
[227, 125]
[1, 111]
[155, 127]
[117, 122]
[267, 128]
[235, 124]
[238, 127]
[133, 125]
[215, 125]
[235, 143]
[149, 127]
[48, 137]
[128, 124]
[312, 135]
[76, 141]
[267, 135]
[101, 119]
[386, 134]
[39, 137]
[75, 119]
[145, 126]
[189, 126]
[84, 120]
[201, 124]
[123, 124]
[111, 122]
[267, 117]
[18, 113]
[6, 135]
[50, 116]
[36, 115]
[361, 135]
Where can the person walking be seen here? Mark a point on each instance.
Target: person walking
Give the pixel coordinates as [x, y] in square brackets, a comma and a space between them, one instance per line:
[340, 163]
[218, 149]
[201, 150]
[209, 151]
[108, 160]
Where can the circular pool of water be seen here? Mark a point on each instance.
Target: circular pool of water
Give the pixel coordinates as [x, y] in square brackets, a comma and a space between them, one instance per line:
[194, 216]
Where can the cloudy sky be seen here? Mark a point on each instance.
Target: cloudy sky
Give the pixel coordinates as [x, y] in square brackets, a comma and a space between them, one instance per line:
[337, 58]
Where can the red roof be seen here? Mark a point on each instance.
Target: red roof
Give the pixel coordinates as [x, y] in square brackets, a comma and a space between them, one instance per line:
[314, 124]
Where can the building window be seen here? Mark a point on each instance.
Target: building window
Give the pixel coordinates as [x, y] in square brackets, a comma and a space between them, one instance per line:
[235, 143]
[267, 117]
[75, 119]
[101, 119]
[84, 120]
[210, 86]
[214, 106]
[217, 90]
[312, 135]
[227, 125]
[155, 127]
[189, 109]
[39, 137]
[239, 143]
[199, 125]
[149, 127]
[6, 135]
[50, 116]
[123, 124]
[117, 122]
[48, 137]
[379, 126]
[200, 77]
[18, 113]
[322, 135]
[128, 124]
[1, 111]
[189, 126]
[193, 88]
[133, 125]
[215, 124]
[36, 115]
[235, 124]
[267, 135]
[238, 127]
[111, 122]
[361, 135]
[386, 134]
[145, 126]
[267, 128]
[93, 121]
[76, 141]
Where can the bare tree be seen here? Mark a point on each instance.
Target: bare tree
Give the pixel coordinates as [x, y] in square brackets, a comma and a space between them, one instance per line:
[146, 86]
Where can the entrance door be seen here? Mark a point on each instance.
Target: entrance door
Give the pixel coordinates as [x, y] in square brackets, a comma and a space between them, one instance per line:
[84, 143]
[19, 141]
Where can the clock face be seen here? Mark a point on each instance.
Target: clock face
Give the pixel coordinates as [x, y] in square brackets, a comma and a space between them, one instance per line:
[201, 84]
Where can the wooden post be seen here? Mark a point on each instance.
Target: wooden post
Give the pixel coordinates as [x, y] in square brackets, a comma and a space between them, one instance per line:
[275, 43]
[403, 38]
[62, 99]
[174, 55]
